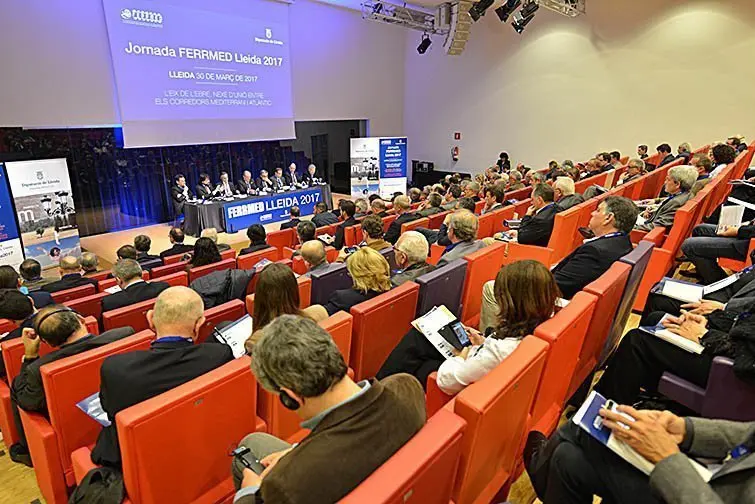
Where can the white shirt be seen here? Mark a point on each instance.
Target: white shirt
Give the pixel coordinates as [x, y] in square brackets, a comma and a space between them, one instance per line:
[717, 171]
[456, 373]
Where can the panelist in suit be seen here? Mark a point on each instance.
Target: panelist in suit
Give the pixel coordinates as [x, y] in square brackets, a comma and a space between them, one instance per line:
[180, 193]
[128, 276]
[224, 187]
[279, 181]
[204, 188]
[176, 237]
[462, 230]
[70, 276]
[264, 182]
[679, 180]
[172, 360]
[65, 331]
[537, 225]
[310, 177]
[291, 176]
[246, 184]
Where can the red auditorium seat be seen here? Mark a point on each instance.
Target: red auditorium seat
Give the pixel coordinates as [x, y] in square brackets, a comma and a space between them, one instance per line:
[486, 223]
[153, 437]
[483, 266]
[305, 294]
[180, 278]
[100, 275]
[75, 293]
[421, 472]
[201, 271]
[500, 215]
[329, 230]
[110, 282]
[172, 259]
[353, 235]
[168, 269]
[281, 239]
[518, 252]
[247, 261]
[134, 315]
[66, 382]
[479, 206]
[387, 221]
[339, 326]
[379, 324]
[437, 219]
[417, 223]
[88, 306]
[7, 326]
[228, 254]
[230, 311]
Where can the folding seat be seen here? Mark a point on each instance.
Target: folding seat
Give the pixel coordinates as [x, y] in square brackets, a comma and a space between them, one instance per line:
[564, 227]
[228, 254]
[608, 289]
[102, 285]
[519, 194]
[172, 259]
[100, 275]
[134, 315]
[421, 472]
[51, 441]
[442, 286]
[379, 324]
[437, 219]
[387, 221]
[485, 225]
[75, 293]
[327, 282]
[247, 261]
[479, 206]
[482, 266]
[518, 252]
[226, 312]
[168, 269]
[88, 306]
[305, 295]
[353, 235]
[281, 239]
[417, 223]
[213, 411]
[180, 278]
[329, 230]
[201, 271]
[520, 208]
[495, 409]
[500, 215]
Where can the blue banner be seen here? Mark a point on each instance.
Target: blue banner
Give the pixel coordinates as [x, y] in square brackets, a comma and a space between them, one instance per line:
[268, 209]
[392, 158]
[10, 245]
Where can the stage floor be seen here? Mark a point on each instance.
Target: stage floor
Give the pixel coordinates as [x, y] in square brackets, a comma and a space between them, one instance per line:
[105, 245]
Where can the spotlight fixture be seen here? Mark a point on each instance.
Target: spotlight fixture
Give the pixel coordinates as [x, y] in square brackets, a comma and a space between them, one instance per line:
[505, 10]
[424, 44]
[377, 8]
[479, 8]
[525, 15]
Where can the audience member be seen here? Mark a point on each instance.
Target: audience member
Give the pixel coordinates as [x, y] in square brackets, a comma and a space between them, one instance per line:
[604, 161]
[707, 244]
[515, 181]
[294, 214]
[723, 155]
[503, 163]
[615, 161]
[415, 195]
[564, 194]
[679, 180]
[276, 294]
[212, 234]
[537, 224]
[305, 231]
[126, 252]
[89, 263]
[9, 279]
[642, 151]
[372, 233]
[362, 207]
[704, 166]
[172, 360]
[372, 277]
[402, 207]
[70, 276]
[205, 252]
[142, 244]
[128, 276]
[462, 231]
[698, 186]
[176, 236]
[494, 195]
[322, 217]
[665, 151]
[355, 427]
[410, 252]
[315, 257]
[684, 152]
[31, 274]
[19, 309]
[257, 239]
[472, 191]
[348, 210]
[65, 331]
[432, 205]
[534, 178]
[378, 208]
[454, 193]
[574, 173]
[635, 169]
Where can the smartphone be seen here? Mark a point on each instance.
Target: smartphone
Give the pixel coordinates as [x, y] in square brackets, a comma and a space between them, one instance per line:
[351, 250]
[244, 455]
[461, 334]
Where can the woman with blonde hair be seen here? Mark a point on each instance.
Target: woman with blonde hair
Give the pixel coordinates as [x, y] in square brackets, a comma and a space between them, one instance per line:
[372, 277]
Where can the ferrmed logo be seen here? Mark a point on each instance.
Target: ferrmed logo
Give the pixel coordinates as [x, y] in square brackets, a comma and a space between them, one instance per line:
[141, 17]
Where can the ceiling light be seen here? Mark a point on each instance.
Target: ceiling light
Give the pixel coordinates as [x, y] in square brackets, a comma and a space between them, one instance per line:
[478, 9]
[525, 15]
[424, 44]
[505, 10]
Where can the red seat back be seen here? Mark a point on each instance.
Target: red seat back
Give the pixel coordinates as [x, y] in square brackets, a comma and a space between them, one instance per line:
[483, 266]
[100, 275]
[282, 238]
[89, 306]
[564, 332]
[75, 293]
[437, 219]
[479, 206]
[352, 235]
[7, 326]
[201, 271]
[247, 261]
[172, 259]
[500, 215]
[417, 223]
[228, 254]
[329, 230]
[213, 411]
[518, 252]
[379, 324]
[230, 311]
[110, 282]
[564, 227]
[421, 472]
[486, 224]
[134, 315]
[519, 194]
[305, 295]
[180, 278]
[387, 221]
[495, 409]
[339, 326]
[168, 269]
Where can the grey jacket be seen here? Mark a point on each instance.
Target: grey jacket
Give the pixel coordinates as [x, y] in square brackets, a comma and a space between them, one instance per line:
[664, 216]
[677, 481]
[743, 300]
[460, 251]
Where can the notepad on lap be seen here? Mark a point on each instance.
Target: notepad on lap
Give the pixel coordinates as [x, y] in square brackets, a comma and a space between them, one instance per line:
[666, 335]
[682, 291]
[236, 334]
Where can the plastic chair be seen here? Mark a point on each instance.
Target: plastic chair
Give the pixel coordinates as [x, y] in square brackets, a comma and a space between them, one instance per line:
[247, 261]
[482, 266]
[201, 271]
[442, 286]
[327, 282]
[75, 293]
[230, 311]
[417, 223]
[134, 315]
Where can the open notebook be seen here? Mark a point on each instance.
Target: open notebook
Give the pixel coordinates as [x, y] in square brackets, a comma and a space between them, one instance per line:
[666, 335]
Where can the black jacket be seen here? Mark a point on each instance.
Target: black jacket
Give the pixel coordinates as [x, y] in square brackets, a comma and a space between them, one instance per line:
[203, 191]
[145, 258]
[68, 282]
[394, 230]
[308, 178]
[339, 239]
[27, 390]
[130, 378]
[290, 224]
[569, 201]
[134, 293]
[427, 212]
[265, 184]
[588, 262]
[344, 299]
[14, 334]
[41, 298]
[278, 183]
[245, 187]
[222, 286]
[536, 229]
[324, 219]
[254, 248]
[290, 179]
[177, 195]
[176, 249]
[668, 159]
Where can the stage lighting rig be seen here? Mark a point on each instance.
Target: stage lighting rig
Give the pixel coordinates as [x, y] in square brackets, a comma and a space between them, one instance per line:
[506, 9]
[479, 8]
[401, 14]
[424, 45]
[569, 8]
[525, 15]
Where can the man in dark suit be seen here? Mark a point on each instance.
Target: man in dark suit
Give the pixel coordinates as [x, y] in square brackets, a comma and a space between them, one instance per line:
[431, 206]
[494, 195]
[665, 151]
[180, 193]
[264, 183]
[257, 239]
[611, 224]
[291, 176]
[176, 236]
[70, 276]
[537, 225]
[462, 230]
[65, 330]
[246, 184]
[377, 207]
[172, 360]
[402, 206]
[356, 427]
[311, 177]
[279, 181]
[31, 273]
[142, 244]
[128, 276]
[564, 195]
[348, 209]
[225, 187]
[322, 217]
[9, 279]
[204, 189]
[679, 181]
[294, 213]
[19, 309]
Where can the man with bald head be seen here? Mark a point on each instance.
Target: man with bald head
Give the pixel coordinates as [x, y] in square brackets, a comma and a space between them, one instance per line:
[70, 276]
[313, 253]
[246, 184]
[172, 360]
[65, 331]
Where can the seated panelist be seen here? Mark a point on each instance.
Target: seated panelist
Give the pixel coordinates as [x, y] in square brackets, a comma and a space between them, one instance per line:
[279, 182]
[204, 188]
[311, 177]
[224, 187]
[292, 177]
[246, 184]
[264, 182]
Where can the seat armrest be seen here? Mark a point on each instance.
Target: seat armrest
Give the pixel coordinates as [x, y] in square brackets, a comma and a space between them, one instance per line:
[435, 398]
[43, 446]
[682, 391]
[435, 252]
[81, 460]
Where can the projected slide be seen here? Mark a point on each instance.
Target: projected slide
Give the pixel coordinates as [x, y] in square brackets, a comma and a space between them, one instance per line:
[10, 244]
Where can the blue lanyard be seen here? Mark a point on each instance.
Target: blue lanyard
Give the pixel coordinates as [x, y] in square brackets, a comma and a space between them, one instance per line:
[739, 451]
[172, 339]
